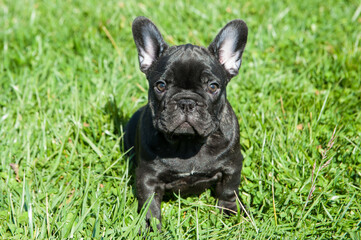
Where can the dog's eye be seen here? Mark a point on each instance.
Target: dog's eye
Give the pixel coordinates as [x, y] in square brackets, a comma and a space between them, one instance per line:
[213, 87]
[160, 85]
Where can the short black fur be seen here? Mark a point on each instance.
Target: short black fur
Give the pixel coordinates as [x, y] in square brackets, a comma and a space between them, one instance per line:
[186, 139]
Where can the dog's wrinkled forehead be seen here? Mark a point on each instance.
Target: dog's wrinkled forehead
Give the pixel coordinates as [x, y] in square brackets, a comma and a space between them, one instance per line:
[188, 65]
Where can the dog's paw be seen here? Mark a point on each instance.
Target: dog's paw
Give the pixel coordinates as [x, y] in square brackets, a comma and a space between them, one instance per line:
[151, 225]
[228, 207]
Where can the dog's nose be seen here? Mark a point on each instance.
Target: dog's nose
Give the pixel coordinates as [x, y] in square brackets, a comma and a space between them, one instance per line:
[187, 105]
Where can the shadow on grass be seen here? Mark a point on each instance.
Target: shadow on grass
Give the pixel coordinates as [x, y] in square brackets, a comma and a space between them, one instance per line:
[119, 122]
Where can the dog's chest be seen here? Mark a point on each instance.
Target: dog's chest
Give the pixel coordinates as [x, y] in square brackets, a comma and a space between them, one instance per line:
[190, 176]
[192, 182]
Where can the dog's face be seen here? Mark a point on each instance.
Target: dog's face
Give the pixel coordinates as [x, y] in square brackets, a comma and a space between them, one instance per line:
[187, 83]
[187, 90]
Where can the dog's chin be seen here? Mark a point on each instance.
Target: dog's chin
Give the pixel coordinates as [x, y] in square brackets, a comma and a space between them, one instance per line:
[184, 132]
[185, 129]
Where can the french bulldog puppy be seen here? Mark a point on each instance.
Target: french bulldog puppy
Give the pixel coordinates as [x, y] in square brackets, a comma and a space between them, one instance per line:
[186, 139]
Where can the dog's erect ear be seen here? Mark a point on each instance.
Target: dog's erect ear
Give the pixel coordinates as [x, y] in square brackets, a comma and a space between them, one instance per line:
[228, 46]
[149, 42]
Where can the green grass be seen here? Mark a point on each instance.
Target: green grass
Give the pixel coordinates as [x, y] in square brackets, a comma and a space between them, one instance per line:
[63, 84]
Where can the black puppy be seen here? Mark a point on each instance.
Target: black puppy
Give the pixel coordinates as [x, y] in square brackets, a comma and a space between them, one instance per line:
[186, 139]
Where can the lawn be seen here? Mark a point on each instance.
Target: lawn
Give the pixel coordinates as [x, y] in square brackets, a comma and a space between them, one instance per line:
[69, 81]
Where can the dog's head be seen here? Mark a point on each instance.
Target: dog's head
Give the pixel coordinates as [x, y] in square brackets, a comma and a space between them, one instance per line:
[187, 83]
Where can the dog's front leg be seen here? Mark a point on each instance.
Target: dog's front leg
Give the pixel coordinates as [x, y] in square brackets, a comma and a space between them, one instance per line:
[227, 191]
[148, 186]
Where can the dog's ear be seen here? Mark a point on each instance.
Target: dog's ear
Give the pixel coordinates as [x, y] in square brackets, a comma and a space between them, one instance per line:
[228, 46]
[149, 42]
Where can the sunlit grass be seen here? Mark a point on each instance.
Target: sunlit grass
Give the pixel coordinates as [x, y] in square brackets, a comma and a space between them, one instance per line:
[69, 70]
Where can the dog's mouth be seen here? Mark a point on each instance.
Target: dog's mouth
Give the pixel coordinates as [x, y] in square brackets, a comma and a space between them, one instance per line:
[182, 132]
[185, 128]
